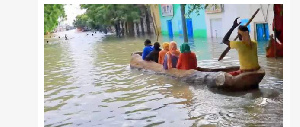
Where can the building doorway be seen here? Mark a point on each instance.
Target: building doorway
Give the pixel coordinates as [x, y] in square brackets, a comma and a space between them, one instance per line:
[262, 32]
[170, 30]
[216, 28]
[189, 27]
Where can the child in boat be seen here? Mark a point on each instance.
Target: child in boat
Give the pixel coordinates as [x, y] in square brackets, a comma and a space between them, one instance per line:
[171, 57]
[246, 48]
[153, 55]
[147, 49]
[187, 59]
[163, 52]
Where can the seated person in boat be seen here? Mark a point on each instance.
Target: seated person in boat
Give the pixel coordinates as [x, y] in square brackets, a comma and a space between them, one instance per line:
[153, 55]
[147, 49]
[163, 52]
[187, 59]
[247, 49]
[171, 57]
[274, 48]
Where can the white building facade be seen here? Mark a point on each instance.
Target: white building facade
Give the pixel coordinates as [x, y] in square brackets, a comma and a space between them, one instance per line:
[218, 23]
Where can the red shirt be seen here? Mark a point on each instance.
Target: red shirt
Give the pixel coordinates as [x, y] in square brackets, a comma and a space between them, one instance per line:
[187, 61]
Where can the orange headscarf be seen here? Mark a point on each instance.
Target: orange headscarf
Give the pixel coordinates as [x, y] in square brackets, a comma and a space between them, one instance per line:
[172, 51]
[165, 46]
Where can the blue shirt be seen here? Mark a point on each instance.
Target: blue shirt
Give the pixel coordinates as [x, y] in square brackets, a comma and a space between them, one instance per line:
[146, 51]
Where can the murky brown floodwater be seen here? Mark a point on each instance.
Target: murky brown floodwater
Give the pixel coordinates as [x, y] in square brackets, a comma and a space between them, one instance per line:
[88, 82]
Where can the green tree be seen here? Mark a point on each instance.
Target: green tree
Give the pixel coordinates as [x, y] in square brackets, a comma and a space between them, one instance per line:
[197, 7]
[142, 8]
[147, 16]
[52, 12]
[82, 21]
[103, 15]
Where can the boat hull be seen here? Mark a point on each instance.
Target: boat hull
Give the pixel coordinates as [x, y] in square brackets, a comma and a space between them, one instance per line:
[213, 78]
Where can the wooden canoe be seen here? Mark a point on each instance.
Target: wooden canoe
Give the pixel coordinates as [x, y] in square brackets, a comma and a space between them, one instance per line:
[213, 78]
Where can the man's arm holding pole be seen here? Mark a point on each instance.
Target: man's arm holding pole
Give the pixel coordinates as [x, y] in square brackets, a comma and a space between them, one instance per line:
[226, 38]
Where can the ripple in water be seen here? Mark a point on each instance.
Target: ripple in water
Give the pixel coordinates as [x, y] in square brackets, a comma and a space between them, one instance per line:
[88, 82]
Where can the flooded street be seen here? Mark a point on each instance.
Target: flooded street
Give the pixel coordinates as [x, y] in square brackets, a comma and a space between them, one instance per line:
[88, 82]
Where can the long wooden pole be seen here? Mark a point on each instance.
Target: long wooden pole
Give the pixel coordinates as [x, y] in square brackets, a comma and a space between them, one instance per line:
[228, 48]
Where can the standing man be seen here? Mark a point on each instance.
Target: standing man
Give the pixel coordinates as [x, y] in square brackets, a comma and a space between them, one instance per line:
[247, 49]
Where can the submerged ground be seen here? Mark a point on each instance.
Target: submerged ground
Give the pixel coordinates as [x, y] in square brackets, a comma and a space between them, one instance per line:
[88, 82]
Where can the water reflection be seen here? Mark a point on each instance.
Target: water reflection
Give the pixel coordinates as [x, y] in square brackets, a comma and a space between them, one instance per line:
[88, 82]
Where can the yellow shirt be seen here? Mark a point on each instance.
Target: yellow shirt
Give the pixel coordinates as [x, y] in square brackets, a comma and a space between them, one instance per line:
[247, 55]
